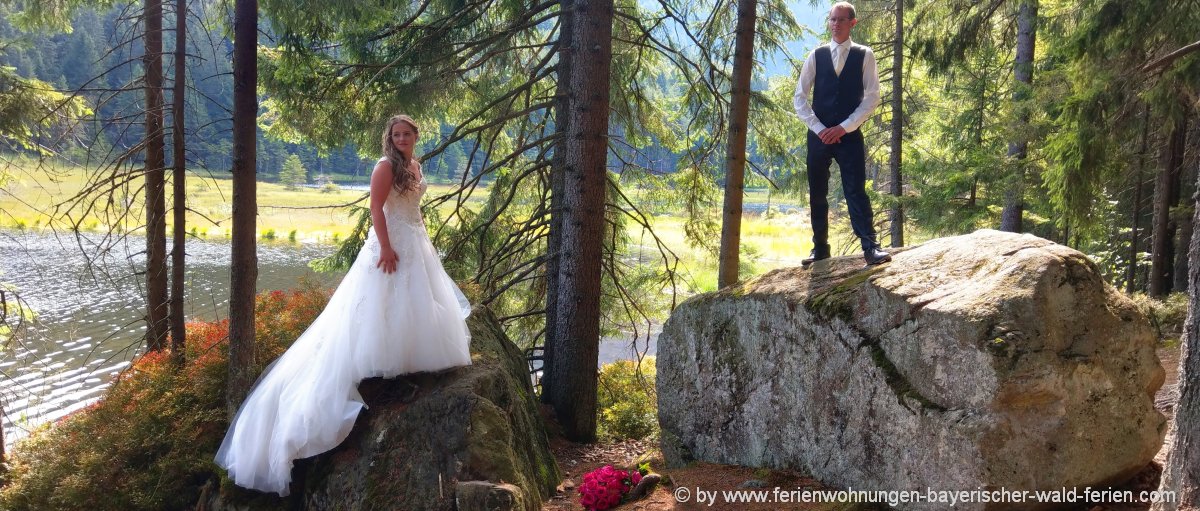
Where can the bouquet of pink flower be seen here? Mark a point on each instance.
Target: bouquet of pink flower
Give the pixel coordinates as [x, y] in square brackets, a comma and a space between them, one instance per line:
[604, 487]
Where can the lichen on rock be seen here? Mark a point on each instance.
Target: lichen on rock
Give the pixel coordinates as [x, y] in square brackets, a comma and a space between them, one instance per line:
[980, 361]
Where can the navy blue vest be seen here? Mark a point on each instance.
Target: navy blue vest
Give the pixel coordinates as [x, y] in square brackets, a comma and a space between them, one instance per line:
[836, 97]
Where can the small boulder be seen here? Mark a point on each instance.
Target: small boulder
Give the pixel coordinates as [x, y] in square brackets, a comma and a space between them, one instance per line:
[488, 496]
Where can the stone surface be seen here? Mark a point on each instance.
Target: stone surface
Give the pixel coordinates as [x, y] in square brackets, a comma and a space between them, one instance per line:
[488, 496]
[412, 450]
[980, 361]
[644, 487]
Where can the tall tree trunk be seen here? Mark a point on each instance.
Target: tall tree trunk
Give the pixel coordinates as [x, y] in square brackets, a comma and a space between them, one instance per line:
[1136, 221]
[897, 142]
[156, 208]
[3, 460]
[1166, 196]
[562, 107]
[1183, 218]
[178, 182]
[981, 107]
[1014, 196]
[1135, 234]
[1181, 474]
[577, 318]
[244, 256]
[735, 160]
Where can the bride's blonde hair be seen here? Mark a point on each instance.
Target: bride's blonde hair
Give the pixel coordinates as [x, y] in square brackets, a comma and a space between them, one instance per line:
[402, 179]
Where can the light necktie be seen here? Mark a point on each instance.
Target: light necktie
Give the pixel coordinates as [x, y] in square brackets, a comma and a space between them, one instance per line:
[837, 60]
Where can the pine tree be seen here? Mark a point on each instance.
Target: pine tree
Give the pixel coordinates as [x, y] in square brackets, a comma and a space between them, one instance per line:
[575, 331]
[157, 301]
[293, 174]
[244, 274]
[179, 185]
[735, 161]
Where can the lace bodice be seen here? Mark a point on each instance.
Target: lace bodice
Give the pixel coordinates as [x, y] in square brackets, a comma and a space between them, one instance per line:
[402, 212]
[405, 206]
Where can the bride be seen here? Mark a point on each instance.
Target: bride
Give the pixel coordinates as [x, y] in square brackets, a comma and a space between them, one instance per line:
[395, 312]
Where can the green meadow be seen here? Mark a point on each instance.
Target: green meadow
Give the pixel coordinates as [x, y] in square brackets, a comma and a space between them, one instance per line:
[34, 197]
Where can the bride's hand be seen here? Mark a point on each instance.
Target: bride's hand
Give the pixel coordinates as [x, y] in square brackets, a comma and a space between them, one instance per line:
[387, 259]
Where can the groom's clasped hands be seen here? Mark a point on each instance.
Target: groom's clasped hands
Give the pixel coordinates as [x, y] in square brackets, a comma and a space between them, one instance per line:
[832, 135]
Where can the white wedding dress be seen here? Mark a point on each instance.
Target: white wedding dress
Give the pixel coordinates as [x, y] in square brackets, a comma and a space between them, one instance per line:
[375, 324]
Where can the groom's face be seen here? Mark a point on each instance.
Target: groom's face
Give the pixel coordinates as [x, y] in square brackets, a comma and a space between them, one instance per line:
[840, 23]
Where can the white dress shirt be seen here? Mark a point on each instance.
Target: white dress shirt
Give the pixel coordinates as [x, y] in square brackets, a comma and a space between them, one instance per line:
[808, 73]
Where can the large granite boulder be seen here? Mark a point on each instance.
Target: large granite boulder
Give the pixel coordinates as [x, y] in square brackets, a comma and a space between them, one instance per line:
[468, 438]
[980, 361]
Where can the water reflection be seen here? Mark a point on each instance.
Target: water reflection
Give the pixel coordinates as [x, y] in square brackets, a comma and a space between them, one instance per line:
[90, 316]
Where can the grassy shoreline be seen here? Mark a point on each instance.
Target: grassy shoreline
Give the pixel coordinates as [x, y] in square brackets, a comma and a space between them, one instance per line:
[308, 215]
[34, 194]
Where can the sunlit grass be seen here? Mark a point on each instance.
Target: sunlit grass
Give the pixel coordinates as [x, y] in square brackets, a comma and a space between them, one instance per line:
[772, 197]
[769, 241]
[29, 197]
[312, 215]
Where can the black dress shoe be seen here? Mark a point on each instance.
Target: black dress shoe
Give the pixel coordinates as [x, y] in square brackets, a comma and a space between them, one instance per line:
[817, 254]
[876, 255]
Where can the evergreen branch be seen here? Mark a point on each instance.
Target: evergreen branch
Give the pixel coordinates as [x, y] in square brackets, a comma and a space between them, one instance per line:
[1167, 59]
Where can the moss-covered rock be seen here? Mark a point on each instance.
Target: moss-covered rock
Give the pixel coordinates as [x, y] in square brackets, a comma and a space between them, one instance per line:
[411, 450]
[980, 361]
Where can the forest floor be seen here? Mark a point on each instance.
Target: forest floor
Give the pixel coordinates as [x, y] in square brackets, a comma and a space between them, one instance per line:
[574, 460]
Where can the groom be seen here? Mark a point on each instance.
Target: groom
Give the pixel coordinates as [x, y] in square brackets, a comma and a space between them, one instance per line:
[845, 91]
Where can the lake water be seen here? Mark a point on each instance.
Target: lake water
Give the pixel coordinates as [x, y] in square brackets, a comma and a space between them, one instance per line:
[90, 323]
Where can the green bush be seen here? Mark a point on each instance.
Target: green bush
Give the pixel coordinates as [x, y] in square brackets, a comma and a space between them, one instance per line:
[1167, 315]
[149, 443]
[627, 402]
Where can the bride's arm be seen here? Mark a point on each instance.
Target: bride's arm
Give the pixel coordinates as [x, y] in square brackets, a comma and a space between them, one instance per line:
[381, 186]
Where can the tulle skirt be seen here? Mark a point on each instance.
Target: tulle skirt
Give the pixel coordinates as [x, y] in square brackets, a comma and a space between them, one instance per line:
[375, 324]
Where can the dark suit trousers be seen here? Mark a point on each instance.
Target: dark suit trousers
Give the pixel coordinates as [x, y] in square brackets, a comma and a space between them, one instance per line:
[850, 154]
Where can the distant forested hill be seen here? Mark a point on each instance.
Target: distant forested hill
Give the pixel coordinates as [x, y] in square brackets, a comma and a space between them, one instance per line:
[98, 59]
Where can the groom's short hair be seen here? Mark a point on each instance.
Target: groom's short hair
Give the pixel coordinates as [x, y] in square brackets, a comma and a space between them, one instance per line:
[844, 5]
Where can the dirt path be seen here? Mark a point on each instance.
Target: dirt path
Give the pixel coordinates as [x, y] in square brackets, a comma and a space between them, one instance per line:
[576, 460]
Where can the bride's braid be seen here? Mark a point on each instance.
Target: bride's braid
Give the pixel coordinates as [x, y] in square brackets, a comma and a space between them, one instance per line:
[402, 179]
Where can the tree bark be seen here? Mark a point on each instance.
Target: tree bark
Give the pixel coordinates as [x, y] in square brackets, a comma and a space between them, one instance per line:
[244, 272]
[1169, 58]
[1181, 474]
[3, 460]
[735, 161]
[1014, 196]
[1166, 196]
[981, 107]
[1136, 221]
[573, 365]
[1183, 218]
[897, 141]
[178, 182]
[156, 217]
[562, 107]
